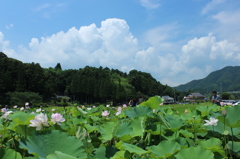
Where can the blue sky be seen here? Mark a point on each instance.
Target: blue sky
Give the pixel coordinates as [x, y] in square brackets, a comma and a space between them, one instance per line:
[176, 41]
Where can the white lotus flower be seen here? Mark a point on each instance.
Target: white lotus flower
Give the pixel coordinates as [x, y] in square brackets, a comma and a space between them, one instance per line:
[38, 110]
[57, 118]
[212, 121]
[39, 121]
[118, 113]
[22, 108]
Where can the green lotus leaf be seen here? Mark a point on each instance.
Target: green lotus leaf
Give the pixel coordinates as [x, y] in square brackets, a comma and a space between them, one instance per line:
[81, 133]
[21, 118]
[124, 128]
[235, 149]
[125, 138]
[138, 111]
[24, 130]
[119, 155]
[105, 152]
[108, 130]
[214, 145]
[182, 141]
[131, 148]
[174, 123]
[205, 110]
[194, 152]
[43, 143]
[90, 128]
[165, 148]
[233, 116]
[60, 155]
[9, 153]
[153, 102]
[155, 128]
[138, 125]
[186, 133]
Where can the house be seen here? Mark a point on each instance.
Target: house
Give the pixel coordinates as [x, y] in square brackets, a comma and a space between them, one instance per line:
[167, 100]
[194, 96]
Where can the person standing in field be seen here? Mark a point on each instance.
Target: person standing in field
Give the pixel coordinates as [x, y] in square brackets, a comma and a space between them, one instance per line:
[216, 99]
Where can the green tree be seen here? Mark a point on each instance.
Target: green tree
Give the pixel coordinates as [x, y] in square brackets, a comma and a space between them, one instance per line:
[20, 98]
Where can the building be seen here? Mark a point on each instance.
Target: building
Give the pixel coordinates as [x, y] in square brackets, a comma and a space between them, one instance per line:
[194, 96]
[167, 100]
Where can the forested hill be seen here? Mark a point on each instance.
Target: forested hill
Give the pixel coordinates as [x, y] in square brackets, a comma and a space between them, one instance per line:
[224, 80]
[86, 85]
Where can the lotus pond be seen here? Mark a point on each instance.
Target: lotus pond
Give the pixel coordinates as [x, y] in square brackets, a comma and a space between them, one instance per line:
[148, 131]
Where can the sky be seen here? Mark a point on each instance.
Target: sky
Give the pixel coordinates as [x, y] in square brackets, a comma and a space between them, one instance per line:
[175, 41]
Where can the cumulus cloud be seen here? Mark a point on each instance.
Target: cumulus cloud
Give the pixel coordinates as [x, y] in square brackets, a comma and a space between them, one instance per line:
[198, 58]
[113, 45]
[150, 4]
[211, 5]
[5, 47]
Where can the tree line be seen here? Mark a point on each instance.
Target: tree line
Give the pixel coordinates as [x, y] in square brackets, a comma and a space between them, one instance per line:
[84, 85]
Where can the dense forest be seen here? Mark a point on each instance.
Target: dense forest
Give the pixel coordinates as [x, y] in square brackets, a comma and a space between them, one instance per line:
[84, 85]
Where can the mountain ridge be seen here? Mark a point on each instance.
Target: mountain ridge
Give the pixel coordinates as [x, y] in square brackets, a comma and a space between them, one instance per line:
[223, 80]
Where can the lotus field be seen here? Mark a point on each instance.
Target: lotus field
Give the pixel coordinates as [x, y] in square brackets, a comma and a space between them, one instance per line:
[147, 131]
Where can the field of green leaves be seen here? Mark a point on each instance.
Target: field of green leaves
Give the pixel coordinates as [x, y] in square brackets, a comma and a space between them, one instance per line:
[147, 131]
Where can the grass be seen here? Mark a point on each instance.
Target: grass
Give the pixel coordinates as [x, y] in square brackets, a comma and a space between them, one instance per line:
[181, 107]
[178, 107]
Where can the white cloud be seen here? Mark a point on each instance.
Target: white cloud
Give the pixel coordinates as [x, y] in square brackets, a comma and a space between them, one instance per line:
[230, 17]
[150, 4]
[42, 7]
[4, 46]
[10, 26]
[110, 45]
[211, 5]
[113, 45]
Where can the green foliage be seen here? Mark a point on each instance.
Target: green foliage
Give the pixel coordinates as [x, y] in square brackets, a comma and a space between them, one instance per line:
[129, 132]
[20, 98]
[44, 143]
[224, 80]
[9, 153]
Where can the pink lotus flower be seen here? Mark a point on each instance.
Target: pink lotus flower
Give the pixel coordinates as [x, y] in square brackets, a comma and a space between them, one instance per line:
[39, 121]
[3, 110]
[124, 105]
[6, 114]
[57, 118]
[94, 106]
[83, 106]
[119, 109]
[105, 113]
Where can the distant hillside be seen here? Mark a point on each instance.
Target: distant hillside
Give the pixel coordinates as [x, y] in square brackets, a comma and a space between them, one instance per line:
[224, 80]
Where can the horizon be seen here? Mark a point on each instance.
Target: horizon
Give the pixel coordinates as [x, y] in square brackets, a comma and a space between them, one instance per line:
[176, 42]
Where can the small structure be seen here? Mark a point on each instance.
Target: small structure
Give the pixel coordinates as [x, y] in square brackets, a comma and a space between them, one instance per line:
[194, 96]
[167, 100]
